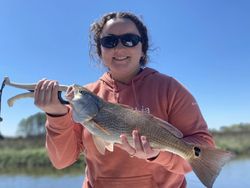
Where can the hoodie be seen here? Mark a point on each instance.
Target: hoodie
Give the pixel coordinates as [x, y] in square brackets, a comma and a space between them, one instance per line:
[151, 92]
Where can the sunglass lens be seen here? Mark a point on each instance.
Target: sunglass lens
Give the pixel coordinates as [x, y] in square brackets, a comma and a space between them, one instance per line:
[109, 41]
[130, 40]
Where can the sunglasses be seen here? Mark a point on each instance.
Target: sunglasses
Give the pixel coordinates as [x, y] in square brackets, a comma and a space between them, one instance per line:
[128, 40]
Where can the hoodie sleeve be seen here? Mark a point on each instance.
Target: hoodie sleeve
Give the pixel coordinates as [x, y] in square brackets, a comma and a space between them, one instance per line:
[183, 112]
[63, 140]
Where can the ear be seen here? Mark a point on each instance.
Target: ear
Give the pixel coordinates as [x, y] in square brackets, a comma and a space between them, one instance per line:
[142, 60]
[142, 54]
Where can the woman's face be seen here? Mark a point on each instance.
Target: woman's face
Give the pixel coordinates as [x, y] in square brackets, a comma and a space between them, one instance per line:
[123, 62]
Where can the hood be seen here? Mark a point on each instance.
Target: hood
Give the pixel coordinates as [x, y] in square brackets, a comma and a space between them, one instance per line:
[116, 86]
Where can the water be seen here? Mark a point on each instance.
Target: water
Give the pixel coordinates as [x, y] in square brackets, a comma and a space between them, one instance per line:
[40, 182]
[234, 174]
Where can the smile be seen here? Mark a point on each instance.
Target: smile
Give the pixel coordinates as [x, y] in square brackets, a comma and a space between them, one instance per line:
[120, 58]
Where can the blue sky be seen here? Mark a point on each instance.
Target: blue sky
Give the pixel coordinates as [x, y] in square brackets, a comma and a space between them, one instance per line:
[203, 44]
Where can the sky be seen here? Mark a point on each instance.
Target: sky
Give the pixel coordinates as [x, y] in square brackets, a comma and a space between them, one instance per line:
[203, 44]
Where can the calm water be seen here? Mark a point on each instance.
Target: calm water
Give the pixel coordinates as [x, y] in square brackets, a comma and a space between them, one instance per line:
[234, 174]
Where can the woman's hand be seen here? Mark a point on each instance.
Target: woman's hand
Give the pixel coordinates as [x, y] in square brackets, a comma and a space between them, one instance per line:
[142, 147]
[46, 97]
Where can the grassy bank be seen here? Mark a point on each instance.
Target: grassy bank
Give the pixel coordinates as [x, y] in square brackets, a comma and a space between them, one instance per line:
[236, 142]
[23, 155]
[28, 156]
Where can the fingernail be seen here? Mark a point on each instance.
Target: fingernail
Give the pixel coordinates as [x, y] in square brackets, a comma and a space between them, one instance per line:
[122, 136]
[135, 132]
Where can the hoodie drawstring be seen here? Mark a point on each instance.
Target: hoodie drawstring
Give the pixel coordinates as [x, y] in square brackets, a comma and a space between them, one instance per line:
[114, 90]
[134, 93]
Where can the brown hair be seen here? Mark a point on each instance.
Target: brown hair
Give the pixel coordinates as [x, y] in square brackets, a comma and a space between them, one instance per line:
[97, 27]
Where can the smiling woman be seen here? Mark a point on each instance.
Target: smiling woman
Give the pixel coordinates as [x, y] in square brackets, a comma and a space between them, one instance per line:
[122, 60]
[120, 40]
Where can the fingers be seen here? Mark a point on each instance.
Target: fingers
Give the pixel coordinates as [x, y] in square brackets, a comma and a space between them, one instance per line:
[148, 150]
[38, 94]
[53, 89]
[146, 146]
[50, 93]
[46, 98]
[142, 146]
[126, 146]
[137, 141]
[46, 92]
[141, 149]
[70, 93]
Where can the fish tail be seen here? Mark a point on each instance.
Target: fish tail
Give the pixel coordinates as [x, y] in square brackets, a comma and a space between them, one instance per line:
[207, 163]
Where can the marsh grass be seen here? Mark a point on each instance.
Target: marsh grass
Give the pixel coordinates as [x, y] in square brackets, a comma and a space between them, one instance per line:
[236, 142]
[28, 155]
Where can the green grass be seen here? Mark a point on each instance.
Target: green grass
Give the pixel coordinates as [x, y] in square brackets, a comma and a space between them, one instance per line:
[236, 142]
[28, 155]
[24, 158]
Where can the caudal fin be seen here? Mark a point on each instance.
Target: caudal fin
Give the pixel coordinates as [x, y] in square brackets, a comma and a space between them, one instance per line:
[208, 163]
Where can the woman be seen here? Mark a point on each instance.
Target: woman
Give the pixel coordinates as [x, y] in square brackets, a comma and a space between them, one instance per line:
[121, 42]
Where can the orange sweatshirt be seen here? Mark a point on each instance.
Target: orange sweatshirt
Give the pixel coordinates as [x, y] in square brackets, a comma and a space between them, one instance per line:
[151, 92]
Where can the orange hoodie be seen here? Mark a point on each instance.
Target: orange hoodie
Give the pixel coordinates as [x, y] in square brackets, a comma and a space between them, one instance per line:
[151, 92]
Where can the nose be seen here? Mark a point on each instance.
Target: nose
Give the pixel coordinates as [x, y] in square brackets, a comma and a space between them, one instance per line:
[119, 45]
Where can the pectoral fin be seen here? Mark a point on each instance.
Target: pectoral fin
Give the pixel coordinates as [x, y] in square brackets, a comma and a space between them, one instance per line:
[110, 147]
[101, 145]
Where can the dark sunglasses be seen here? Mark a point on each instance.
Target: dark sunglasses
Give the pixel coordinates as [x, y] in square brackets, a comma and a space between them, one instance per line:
[128, 40]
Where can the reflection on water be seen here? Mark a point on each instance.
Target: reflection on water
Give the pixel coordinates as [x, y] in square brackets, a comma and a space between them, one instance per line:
[234, 174]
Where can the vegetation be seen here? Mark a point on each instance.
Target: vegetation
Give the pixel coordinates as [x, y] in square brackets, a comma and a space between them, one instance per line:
[29, 156]
[32, 126]
[235, 138]
[27, 152]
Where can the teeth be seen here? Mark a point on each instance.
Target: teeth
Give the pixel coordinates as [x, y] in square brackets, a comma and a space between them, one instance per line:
[120, 58]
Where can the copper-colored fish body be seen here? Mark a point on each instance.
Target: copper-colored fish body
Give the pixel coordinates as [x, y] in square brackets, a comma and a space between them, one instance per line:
[107, 121]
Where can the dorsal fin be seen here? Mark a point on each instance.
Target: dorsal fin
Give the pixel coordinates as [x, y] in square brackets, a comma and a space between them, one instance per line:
[164, 124]
[125, 106]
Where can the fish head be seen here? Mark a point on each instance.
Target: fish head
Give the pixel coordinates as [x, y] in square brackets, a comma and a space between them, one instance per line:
[85, 104]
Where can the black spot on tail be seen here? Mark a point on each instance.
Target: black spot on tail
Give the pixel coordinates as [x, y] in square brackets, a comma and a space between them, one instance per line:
[197, 151]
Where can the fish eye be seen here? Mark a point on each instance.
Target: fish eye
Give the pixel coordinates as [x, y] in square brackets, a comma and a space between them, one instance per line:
[82, 92]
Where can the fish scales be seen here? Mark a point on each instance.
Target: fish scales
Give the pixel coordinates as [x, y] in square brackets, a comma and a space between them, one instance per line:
[114, 119]
[117, 121]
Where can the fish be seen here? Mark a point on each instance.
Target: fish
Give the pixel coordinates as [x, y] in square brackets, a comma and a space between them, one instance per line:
[107, 121]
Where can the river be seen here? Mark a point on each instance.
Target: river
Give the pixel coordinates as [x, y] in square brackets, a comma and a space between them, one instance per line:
[234, 174]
